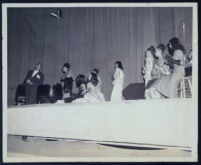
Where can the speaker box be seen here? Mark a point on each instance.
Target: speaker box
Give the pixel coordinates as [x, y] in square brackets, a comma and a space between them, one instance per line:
[134, 91]
[20, 97]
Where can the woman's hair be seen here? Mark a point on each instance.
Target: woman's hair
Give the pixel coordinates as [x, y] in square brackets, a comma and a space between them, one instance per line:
[95, 70]
[175, 45]
[67, 65]
[94, 79]
[152, 50]
[119, 65]
[161, 47]
[80, 79]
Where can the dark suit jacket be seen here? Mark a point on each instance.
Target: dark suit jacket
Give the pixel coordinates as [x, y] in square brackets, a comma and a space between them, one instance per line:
[36, 80]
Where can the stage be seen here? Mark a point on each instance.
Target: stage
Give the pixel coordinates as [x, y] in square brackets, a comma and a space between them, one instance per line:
[161, 123]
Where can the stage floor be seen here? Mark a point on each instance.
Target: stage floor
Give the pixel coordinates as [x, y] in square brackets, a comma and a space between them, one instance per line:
[38, 147]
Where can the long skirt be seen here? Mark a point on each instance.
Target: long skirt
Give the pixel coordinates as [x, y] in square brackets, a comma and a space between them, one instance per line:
[117, 92]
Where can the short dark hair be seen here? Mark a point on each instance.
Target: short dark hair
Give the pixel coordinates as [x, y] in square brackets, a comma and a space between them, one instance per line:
[95, 70]
[152, 50]
[176, 45]
[120, 65]
[162, 47]
[67, 65]
[80, 79]
[38, 64]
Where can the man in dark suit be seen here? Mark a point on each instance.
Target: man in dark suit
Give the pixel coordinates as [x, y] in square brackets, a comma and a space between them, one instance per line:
[33, 79]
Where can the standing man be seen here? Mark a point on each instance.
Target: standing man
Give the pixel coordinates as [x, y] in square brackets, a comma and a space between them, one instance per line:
[33, 79]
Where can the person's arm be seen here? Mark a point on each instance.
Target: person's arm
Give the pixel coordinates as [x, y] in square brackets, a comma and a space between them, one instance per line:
[155, 70]
[149, 65]
[116, 76]
[180, 55]
[172, 61]
[27, 78]
[70, 74]
[177, 54]
[42, 78]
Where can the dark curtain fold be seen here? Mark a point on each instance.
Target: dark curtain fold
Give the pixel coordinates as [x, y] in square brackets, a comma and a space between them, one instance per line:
[88, 38]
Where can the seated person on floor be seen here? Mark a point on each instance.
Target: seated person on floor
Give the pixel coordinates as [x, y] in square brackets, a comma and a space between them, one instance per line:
[81, 85]
[92, 95]
[96, 71]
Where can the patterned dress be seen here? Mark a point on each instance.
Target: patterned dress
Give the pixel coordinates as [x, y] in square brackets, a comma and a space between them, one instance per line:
[159, 70]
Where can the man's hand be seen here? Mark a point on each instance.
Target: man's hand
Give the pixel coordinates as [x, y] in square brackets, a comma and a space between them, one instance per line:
[171, 61]
[29, 82]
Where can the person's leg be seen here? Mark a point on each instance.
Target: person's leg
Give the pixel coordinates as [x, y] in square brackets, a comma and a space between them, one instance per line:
[152, 93]
[155, 94]
[27, 94]
[32, 94]
[147, 94]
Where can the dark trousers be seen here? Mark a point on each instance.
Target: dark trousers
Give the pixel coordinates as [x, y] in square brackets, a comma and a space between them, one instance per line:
[31, 91]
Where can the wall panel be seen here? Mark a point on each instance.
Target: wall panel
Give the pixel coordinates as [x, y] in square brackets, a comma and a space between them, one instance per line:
[88, 38]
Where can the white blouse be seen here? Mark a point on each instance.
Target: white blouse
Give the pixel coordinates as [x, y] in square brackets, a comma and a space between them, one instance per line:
[118, 77]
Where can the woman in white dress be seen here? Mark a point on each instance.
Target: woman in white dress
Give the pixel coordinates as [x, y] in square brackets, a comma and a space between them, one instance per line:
[99, 86]
[118, 80]
[148, 65]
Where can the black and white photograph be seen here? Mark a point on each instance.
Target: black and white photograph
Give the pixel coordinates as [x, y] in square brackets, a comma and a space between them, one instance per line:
[100, 82]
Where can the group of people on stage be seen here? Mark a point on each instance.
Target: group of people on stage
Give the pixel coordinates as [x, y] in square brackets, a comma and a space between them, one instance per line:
[89, 88]
[163, 72]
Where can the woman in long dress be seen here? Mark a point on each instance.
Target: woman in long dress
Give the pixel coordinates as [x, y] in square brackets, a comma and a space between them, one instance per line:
[99, 86]
[118, 80]
[148, 66]
[167, 86]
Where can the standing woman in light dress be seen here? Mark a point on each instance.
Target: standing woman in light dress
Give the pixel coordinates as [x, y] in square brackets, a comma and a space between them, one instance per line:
[118, 80]
[148, 66]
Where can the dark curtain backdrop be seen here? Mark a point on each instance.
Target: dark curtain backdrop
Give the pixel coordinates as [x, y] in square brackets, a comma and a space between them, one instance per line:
[88, 38]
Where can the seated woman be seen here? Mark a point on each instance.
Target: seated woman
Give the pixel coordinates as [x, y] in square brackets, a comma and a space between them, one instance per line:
[81, 85]
[166, 86]
[92, 95]
[160, 68]
[67, 82]
[99, 86]
[149, 60]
